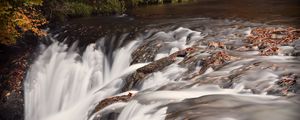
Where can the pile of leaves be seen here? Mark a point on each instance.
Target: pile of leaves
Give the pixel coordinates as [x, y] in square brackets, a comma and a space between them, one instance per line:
[269, 39]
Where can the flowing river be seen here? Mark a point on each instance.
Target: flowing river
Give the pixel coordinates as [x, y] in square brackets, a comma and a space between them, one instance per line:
[197, 68]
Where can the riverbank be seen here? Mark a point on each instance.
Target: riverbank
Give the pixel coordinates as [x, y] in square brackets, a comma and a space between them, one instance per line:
[14, 62]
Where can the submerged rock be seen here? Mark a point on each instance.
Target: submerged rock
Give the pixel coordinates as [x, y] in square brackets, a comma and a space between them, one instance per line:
[228, 107]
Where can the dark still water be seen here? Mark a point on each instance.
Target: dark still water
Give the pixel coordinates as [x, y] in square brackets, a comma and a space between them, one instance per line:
[267, 11]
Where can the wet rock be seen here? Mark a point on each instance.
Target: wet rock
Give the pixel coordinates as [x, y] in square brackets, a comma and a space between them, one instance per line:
[215, 60]
[285, 50]
[296, 53]
[190, 62]
[193, 59]
[156, 65]
[12, 107]
[209, 62]
[134, 79]
[296, 45]
[287, 85]
[216, 45]
[190, 55]
[247, 48]
[111, 100]
[109, 116]
[270, 51]
[224, 80]
[146, 52]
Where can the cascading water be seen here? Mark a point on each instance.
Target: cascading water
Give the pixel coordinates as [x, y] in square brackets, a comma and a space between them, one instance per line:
[61, 82]
[64, 85]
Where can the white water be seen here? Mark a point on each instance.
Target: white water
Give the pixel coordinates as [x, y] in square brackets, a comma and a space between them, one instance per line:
[63, 85]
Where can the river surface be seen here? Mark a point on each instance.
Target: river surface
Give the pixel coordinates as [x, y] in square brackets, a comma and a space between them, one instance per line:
[176, 61]
[267, 11]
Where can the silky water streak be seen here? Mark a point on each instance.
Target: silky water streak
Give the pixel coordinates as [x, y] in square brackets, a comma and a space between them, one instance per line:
[62, 84]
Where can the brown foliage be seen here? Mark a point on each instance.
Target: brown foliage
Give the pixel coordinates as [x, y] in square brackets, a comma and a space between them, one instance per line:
[268, 39]
[18, 17]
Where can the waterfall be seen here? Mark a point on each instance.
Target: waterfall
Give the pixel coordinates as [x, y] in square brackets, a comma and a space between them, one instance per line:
[63, 84]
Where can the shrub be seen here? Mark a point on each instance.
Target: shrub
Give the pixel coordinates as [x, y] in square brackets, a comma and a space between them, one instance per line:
[110, 6]
[18, 17]
[135, 2]
[76, 9]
